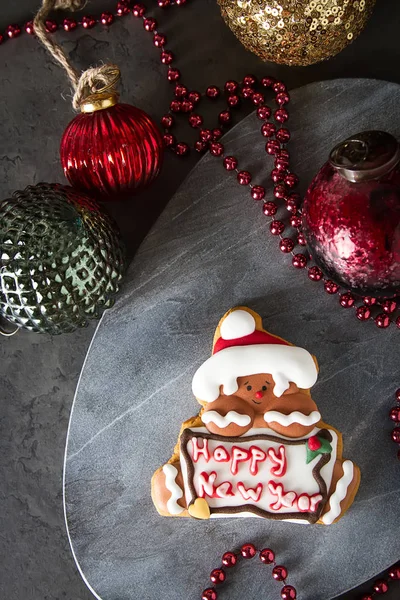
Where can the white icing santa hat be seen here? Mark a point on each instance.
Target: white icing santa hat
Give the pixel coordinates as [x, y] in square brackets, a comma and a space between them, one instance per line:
[243, 350]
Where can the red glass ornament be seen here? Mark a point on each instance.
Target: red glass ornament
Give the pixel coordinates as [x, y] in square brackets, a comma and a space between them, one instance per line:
[209, 594]
[257, 192]
[244, 177]
[380, 586]
[279, 573]
[217, 576]
[394, 573]
[88, 22]
[111, 151]
[269, 209]
[396, 435]
[248, 550]
[395, 414]
[288, 592]
[229, 559]
[315, 273]
[267, 556]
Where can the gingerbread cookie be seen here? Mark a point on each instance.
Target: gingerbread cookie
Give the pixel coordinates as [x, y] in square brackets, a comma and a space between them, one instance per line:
[258, 446]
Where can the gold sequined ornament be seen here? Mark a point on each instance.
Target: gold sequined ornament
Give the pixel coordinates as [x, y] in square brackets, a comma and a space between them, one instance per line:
[296, 32]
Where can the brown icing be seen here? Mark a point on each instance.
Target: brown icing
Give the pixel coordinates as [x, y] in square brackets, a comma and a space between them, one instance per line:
[187, 434]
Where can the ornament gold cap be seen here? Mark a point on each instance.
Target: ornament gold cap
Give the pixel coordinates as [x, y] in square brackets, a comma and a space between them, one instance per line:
[100, 101]
[366, 155]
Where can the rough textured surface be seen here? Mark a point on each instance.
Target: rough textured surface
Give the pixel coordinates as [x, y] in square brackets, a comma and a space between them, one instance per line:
[39, 374]
[136, 385]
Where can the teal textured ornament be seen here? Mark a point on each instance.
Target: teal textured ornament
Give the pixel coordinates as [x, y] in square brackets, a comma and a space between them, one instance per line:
[61, 259]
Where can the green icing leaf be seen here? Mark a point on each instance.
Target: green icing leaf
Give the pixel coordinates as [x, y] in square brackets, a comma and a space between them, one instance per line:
[325, 448]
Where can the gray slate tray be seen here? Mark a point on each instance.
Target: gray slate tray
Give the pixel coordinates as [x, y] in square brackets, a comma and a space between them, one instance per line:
[207, 252]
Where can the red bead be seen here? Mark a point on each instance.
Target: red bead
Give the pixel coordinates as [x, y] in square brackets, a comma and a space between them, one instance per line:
[394, 573]
[363, 313]
[173, 74]
[169, 139]
[88, 22]
[283, 154]
[291, 180]
[272, 147]
[175, 106]
[267, 556]
[13, 31]
[166, 57]
[216, 134]
[248, 550]
[200, 146]
[299, 261]
[181, 91]
[286, 245]
[257, 192]
[301, 239]
[331, 287]
[397, 395]
[389, 306]
[233, 101]
[194, 97]
[369, 301]
[217, 576]
[315, 273]
[281, 163]
[167, 121]
[225, 117]
[229, 559]
[268, 81]
[187, 106]
[396, 435]
[209, 594]
[51, 26]
[395, 414]
[71, 24]
[182, 149]
[249, 80]
[258, 99]
[123, 8]
[279, 191]
[380, 586]
[263, 112]
[150, 24]
[282, 98]
[244, 177]
[29, 28]
[159, 40]
[283, 135]
[382, 321]
[138, 9]
[106, 18]
[213, 92]
[205, 135]
[367, 597]
[230, 163]
[268, 129]
[277, 227]
[288, 592]
[281, 115]
[291, 205]
[195, 120]
[269, 209]
[279, 87]
[180, 2]
[277, 176]
[216, 149]
[398, 322]
[164, 3]
[295, 221]
[346, 300]
[279, 573]
[231, 86]
[247, 92]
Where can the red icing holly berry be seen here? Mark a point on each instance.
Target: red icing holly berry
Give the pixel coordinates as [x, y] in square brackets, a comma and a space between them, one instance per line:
[314, 443]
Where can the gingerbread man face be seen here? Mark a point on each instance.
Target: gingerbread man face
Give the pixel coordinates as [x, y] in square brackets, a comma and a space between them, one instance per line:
[237, 397]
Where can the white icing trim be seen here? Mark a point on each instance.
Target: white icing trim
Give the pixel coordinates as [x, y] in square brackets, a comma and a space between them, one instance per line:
[170, 473]
[340, 493]
[284, 363]
[237, 324]
[293, 417]
[212, 416]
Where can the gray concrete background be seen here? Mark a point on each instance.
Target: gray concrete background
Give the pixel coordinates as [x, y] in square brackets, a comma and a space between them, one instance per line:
[39, 373]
